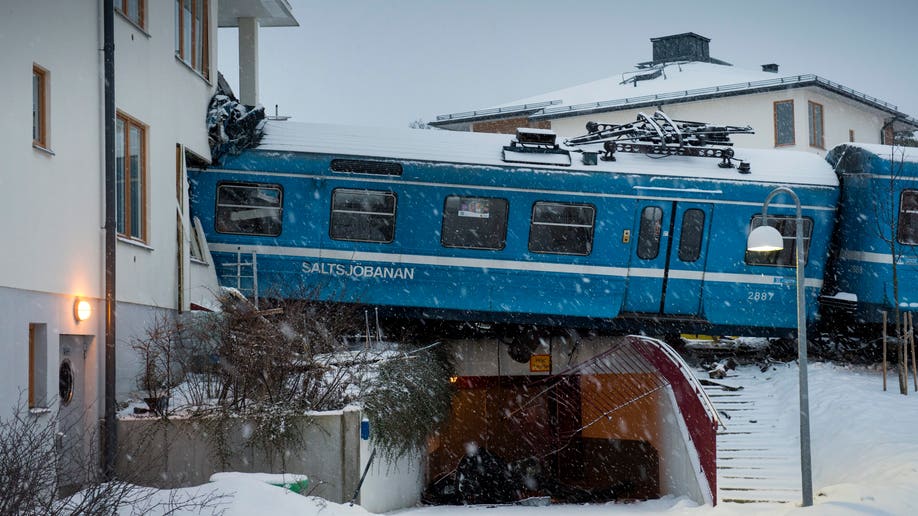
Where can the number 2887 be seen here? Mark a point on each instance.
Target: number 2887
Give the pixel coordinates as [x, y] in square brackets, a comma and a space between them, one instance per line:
[758, 295]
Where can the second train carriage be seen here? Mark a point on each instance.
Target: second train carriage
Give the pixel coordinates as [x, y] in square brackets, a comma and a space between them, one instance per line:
[877, 227]
[461, 226]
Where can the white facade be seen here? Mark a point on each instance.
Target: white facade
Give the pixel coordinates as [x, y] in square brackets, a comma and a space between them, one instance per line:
[52, 193]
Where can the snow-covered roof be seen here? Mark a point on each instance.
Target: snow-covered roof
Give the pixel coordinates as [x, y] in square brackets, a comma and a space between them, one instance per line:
[907, 154]
[674, 77]
[675, 82]
[486, 149]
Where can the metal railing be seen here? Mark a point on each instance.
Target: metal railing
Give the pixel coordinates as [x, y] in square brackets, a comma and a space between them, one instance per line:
[496, 111]
[726, 88]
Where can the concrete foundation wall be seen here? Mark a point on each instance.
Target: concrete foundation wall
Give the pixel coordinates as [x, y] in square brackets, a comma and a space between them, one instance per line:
[181, 453]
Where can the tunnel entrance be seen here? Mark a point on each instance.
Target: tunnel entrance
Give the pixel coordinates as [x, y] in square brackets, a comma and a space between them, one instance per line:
[595, 420]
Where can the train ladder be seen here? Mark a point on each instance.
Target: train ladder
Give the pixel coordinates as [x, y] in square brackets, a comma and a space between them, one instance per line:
[247, 275]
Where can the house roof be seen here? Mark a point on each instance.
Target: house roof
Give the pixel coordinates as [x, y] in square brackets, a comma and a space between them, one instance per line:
[668, 83]
[269, 13]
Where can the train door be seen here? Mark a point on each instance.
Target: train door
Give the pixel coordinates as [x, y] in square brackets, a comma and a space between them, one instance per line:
[684, 276]
[667, 266]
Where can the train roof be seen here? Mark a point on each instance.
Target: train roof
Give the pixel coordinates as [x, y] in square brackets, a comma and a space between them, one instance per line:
[899, 153]
[467, 148]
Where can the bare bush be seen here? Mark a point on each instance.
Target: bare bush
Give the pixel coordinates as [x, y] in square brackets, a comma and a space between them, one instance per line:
[41, 473]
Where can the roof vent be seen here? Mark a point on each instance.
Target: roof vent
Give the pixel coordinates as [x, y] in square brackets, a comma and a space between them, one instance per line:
[532, 136]
[536, 146]
[770, 67]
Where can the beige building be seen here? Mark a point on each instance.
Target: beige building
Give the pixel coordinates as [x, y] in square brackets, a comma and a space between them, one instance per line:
[802, 112]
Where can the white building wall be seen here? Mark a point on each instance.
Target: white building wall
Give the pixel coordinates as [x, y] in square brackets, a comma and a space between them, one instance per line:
[757, 110]
[51, 203]
[170, 98]
[53, 200]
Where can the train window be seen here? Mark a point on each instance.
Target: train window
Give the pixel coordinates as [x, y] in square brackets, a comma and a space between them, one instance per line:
[562, 228]
[690, 239]
[648, 245]
[908, 217]
[363, 166]
[787, 227]
[362, 215]
[246, 209]
[474, 223]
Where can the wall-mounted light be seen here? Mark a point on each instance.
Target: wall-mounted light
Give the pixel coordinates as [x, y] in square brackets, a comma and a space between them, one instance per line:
[81, 309]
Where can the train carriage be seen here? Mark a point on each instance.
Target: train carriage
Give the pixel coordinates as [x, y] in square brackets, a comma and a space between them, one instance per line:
[877, 227]
[474, 227]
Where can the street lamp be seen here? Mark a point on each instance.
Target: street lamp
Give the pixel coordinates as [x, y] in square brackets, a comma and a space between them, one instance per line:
[767, 238]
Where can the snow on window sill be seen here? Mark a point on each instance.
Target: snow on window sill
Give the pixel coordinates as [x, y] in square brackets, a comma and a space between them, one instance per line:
[45, 150]
[136, 243]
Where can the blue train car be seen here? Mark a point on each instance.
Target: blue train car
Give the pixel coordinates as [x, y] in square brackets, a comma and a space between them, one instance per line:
[877, 228]
[460, 226]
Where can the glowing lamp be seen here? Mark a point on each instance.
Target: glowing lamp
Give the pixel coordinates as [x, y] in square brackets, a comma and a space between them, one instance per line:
[81, 309]
[765, 238]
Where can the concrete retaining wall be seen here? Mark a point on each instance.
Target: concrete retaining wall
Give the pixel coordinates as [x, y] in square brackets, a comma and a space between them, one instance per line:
[180, 453]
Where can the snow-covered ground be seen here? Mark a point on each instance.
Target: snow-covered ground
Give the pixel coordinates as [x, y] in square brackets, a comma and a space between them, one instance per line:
[865, 455]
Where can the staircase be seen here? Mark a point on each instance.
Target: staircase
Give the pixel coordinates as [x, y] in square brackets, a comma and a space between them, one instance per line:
[758, 460]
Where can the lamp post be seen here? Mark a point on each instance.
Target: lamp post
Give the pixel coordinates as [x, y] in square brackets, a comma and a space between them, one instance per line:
[767, 238]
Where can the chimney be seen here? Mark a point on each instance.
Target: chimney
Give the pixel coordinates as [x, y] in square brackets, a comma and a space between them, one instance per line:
[770, 67]
[687, 46]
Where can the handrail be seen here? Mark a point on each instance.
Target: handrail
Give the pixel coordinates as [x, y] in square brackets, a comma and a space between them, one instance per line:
[687, 373]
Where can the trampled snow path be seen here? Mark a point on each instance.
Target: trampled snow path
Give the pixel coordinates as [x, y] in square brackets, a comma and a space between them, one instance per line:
[758, 458]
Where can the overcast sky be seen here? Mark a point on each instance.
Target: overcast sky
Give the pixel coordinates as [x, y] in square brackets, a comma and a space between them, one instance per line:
[388, 62]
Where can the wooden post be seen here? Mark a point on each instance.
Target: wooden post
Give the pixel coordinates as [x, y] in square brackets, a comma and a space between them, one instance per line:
[911, 324]
[903, 353]
[884, 350]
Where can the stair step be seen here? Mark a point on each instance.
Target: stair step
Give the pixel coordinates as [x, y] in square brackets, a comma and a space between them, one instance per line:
[759, 495]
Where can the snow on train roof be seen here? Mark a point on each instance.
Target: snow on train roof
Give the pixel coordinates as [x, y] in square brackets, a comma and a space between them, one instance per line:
[907, 154]
[772, 166]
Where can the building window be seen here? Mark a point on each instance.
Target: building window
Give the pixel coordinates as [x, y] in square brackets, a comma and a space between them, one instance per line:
[691, 235]
[362, 216]
[887, 135]
[38, 365]
[558, 228]
[908, 217]
[787, 226]
[474, 223]
[784, 123]
[39, 106]
[134, 10]
[248, 209]
[817, 138]
[648, 246]
[192, 33]
[131, 178]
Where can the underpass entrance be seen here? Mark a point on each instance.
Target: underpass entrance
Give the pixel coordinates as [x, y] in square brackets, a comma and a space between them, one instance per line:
[580, 420]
